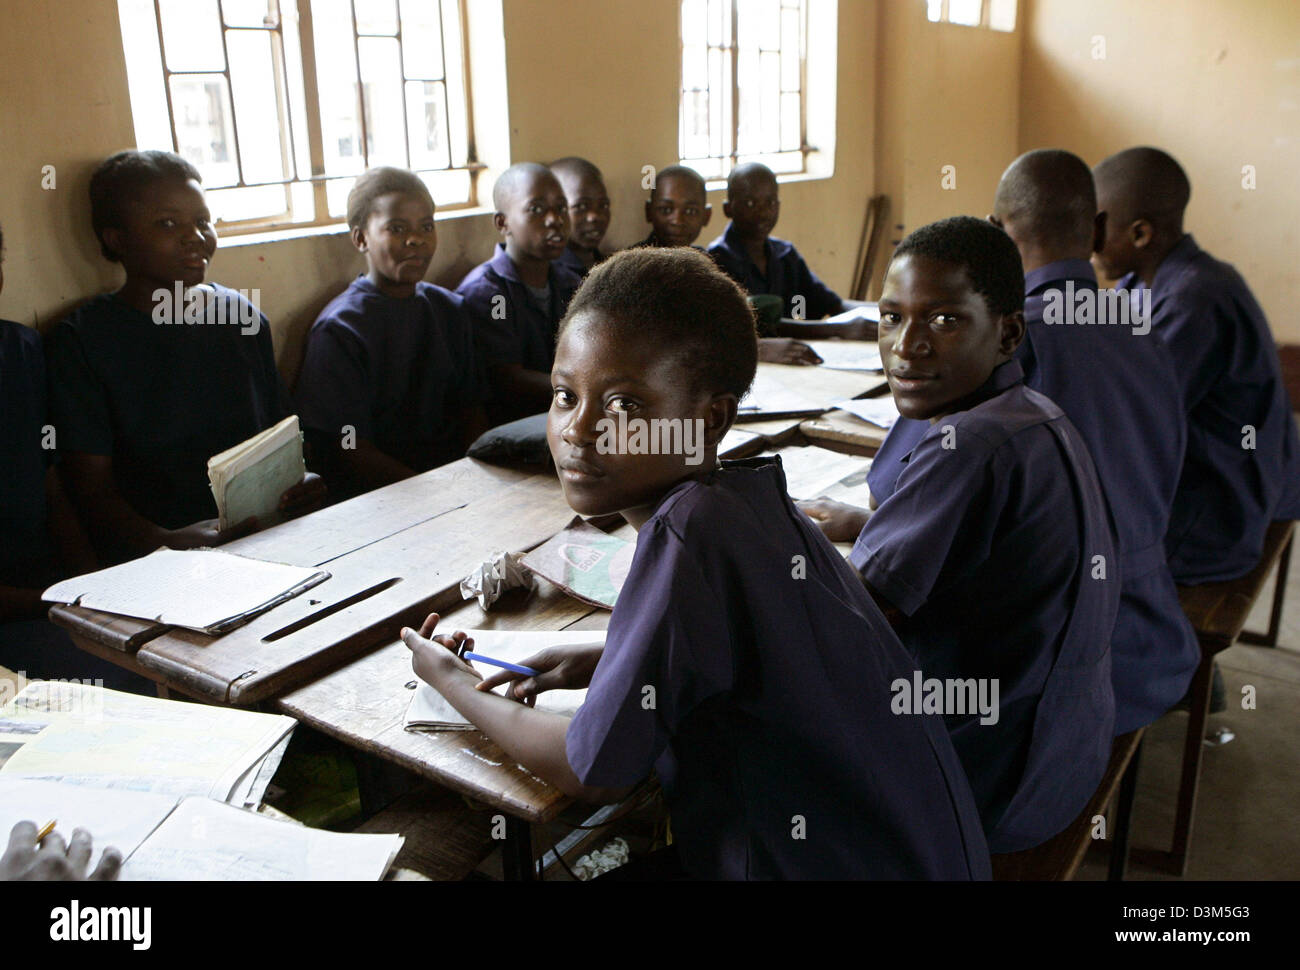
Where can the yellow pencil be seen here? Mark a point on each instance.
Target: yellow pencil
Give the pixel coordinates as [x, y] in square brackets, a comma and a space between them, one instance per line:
[46, 829]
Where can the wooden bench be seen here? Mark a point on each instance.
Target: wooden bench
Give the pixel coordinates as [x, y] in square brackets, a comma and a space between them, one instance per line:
[1218, 613]
[1059, 857]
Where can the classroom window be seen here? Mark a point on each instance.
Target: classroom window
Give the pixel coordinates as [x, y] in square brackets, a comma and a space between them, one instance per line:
[994, 14]
[280, 104]
[744, 85]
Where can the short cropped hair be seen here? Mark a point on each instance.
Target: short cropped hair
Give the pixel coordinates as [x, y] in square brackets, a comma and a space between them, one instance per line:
[987, 254]
[119, 180]
[1145, 183]
[376, 182]
[680, 300]
[580, 167]
[682, 172]
[746, 171]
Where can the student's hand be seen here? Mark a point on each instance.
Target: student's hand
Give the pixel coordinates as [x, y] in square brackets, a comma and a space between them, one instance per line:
[839, 521]
[208, 533]
[434, 658]
[861, 330]
[307, 496]
[52, 860]
[786, 350]
[559, 668]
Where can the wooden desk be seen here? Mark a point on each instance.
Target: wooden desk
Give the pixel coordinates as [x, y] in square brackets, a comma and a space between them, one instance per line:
[364, 703]
[413, 543]
[841, 431]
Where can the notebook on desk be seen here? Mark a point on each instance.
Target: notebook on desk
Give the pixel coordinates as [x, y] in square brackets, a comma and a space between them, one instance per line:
[430, 711]
[205, 590]
[194, 838]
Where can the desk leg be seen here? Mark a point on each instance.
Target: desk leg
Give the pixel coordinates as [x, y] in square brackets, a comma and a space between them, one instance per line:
[517, 864]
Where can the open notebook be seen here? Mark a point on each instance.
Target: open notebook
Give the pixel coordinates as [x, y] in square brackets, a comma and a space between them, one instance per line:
[195, 838]
[429, 710]
[248, 479]
[97, 739]
[205, 590]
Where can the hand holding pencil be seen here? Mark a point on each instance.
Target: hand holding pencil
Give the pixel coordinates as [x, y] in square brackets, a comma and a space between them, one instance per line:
[42, 855]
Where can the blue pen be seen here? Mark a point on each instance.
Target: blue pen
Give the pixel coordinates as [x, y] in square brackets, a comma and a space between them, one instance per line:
[517, 668]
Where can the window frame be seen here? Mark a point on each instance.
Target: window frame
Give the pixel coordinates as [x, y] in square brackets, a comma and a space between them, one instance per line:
[318, 180]
[730, 159]
[985, 22]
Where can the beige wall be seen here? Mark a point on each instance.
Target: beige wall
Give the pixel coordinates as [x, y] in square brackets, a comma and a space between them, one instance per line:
[949, 95]
[1216, 83]
[589, 77]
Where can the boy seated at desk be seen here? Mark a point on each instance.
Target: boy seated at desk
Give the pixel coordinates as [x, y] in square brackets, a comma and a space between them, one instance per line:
[1242, 468]
[1117, 385]
[390, 384]
[41, 539]
[143, 393]
[584, 190]
[744, 662]
[763, 264]
[994, 556]
[516, 298]
[678, 210]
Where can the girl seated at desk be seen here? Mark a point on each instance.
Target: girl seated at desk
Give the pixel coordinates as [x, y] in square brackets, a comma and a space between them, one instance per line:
[745, 662]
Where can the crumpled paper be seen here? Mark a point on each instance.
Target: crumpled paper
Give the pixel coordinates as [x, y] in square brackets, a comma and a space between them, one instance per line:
[610, 856]
[500, 573]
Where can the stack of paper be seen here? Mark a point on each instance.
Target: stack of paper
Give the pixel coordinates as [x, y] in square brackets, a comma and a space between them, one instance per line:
[848, 354]
[811, 472]
[429, 710]
[194, 838]
[248, 479]
[203, 840]
[79, 734]
[200, 589]
[880, 411]
[870, 312]
[769, 396]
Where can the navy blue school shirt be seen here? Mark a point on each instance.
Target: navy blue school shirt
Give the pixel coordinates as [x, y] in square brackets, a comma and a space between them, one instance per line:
[787, 276]
[161, 399]
[1231, 379]
[988, 547]
[747, 665]
[519, 333]
[571, 261]
[27, 555]
[397, 370]
[1120, 390]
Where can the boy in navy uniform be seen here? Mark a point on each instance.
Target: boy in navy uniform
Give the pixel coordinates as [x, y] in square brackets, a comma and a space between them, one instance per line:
[766, 266]
[1242, 468]
[390, 385]
[1117, 385]
[141, 396]
[517, 298]
[757, 260]
[770, 687]
[678, 208]
[994, 555]
[588, 199]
